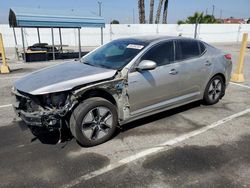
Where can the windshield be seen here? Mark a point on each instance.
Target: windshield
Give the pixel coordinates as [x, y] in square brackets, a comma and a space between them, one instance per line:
[115, 55]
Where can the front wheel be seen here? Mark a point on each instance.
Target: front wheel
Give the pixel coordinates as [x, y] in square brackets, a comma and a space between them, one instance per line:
[214, 90]
[94, 121]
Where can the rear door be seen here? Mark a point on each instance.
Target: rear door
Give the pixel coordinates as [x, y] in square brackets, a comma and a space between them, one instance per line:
[194, 67]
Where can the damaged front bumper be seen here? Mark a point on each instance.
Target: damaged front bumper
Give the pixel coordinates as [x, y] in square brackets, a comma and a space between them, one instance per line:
[48, 120]
[30, 119]
[35, 115]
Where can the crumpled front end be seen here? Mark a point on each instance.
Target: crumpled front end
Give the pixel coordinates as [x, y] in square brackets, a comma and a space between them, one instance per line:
[52, 110]
[44, 110]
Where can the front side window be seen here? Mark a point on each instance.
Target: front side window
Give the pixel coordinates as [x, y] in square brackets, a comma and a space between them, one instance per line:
[116, 54]
[162, 54]
[188, 49]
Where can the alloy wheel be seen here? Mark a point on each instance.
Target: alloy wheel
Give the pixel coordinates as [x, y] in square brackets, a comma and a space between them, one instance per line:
[215, 89]
[97, 123]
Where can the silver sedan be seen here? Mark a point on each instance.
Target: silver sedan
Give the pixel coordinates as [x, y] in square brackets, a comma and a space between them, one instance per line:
[122, 81]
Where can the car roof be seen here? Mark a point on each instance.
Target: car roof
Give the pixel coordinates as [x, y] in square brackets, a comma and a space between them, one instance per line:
[154, 38]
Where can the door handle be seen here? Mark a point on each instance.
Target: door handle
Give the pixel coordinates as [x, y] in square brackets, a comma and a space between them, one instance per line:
[208, 63]
[173, 72]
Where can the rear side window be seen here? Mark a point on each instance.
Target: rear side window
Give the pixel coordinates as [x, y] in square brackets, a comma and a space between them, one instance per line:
[188, 49]
[202, 48]
[162, 54]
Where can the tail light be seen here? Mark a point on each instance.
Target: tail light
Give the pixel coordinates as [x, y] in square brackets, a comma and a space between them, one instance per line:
[228, 56]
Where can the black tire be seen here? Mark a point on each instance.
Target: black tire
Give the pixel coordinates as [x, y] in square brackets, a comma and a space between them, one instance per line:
[213, 96]
[85, 110]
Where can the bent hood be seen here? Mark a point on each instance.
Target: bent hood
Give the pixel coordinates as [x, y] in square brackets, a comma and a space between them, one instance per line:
[62, 77]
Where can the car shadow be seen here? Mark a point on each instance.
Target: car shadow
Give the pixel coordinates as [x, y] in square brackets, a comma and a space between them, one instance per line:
[46, 136]
[158, 116]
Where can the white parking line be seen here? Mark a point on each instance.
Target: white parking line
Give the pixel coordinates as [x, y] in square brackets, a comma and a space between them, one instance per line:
[153, 150]
[5, 106]
[11, 77]
[245, 86]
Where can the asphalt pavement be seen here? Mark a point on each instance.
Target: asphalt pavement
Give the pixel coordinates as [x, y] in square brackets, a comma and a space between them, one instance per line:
[189, 146]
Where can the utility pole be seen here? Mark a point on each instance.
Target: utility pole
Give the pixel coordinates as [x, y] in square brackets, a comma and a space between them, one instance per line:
[100, 8]
[213, 10]
[220, 13]
[206, 11]
[133, 16]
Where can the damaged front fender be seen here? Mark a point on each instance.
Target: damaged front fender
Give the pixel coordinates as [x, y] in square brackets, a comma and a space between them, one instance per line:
[117, 87]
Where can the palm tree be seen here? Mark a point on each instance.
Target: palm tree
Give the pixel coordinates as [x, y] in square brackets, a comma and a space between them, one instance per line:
[199, 18]
[180, 22]
[209, 19]
[151, 13]
[114, 22]
[158, 14]
[165, 12]
[141, 9]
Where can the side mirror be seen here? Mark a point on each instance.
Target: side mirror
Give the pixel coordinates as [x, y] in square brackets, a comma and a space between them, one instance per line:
[146, 65]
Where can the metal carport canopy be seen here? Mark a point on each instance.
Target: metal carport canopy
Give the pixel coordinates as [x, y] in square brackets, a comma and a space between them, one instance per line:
[43, 18]
[26, 17]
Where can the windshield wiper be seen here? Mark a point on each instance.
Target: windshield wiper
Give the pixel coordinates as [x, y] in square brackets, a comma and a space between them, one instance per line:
[103, 66]
[98, 65]
[87, 63]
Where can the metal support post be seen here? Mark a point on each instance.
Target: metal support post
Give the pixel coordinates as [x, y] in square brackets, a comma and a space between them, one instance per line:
[101, 35]
[38, 35]
[53, 44]
[79, 42]
[60, 36]
[24, 52]
[16, 49]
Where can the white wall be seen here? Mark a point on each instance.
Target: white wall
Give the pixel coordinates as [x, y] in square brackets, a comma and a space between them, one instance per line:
[91, 36]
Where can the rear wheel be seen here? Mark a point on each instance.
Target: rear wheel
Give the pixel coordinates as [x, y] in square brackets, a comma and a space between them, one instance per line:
[94, 121]
[214, 91]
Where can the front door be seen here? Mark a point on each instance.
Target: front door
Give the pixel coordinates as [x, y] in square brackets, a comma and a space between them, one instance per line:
[148, 89]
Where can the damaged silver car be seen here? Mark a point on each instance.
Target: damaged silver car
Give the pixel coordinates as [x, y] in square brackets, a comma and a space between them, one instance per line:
[119, 82]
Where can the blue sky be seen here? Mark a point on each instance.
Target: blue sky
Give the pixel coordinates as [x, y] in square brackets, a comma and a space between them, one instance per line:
[122, 10]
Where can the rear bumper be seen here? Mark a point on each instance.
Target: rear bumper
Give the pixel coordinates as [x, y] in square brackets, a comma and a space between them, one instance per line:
[228, 72]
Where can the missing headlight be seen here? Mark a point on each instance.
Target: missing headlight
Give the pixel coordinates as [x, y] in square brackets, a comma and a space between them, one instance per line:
[56, 100]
